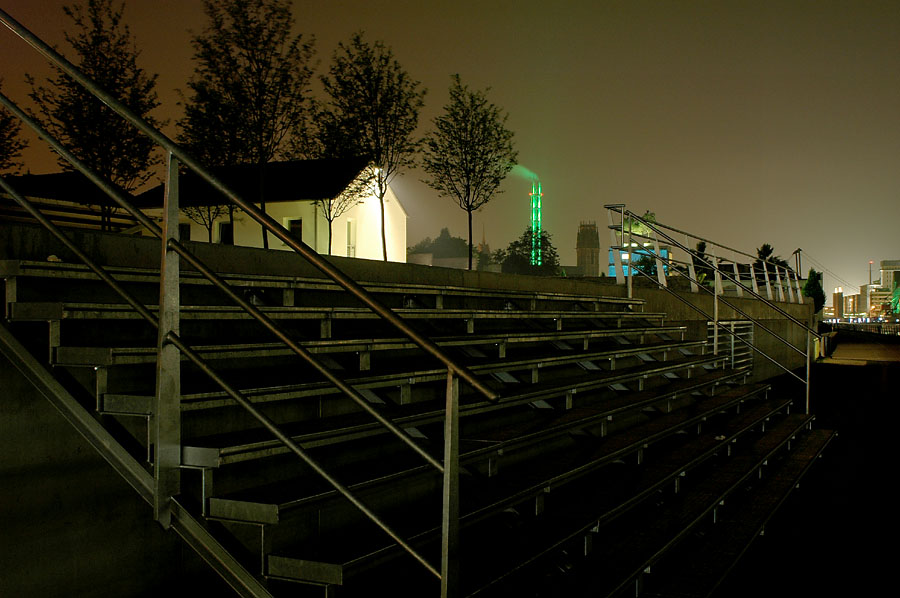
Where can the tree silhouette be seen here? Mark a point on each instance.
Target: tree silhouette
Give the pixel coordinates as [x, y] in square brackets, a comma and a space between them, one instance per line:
[250, 88]
[372, 110]
[106, 53]
[469, 152]
[766, 262]
[813, 289]
[516, 258]
[11, 145]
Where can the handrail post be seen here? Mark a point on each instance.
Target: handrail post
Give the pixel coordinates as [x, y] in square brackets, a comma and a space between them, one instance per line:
[166, 418]
[779, 284]
[614, 247]
[692, 273]
[754, 284]
[790, 285]
[660, 270]
[450, 511]
[808, 366]
[737, 277]
[630, 251]
[765, 268]
[799, 288]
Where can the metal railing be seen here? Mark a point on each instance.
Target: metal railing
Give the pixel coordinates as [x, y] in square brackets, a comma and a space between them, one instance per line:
[784, 282]
[166, 432]
[620, 247]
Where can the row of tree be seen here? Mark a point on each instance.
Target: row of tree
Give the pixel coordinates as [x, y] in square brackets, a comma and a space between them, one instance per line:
[515, 259]
[250, 101]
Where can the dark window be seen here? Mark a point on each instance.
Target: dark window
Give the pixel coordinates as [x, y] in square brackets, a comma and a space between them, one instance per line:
[226, 233]
[184, 231]
[296, 227]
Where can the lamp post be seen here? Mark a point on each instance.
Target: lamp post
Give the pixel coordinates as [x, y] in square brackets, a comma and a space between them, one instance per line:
[799, 269]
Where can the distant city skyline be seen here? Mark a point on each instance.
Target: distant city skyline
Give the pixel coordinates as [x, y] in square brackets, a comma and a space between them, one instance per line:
[742, 122]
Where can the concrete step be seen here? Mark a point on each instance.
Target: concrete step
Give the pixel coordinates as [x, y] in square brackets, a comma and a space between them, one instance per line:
[544, 488]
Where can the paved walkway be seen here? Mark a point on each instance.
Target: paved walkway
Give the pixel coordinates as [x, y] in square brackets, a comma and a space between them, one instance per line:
[858, 351]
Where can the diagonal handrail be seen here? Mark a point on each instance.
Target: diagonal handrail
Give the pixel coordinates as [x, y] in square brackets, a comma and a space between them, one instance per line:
[454, 369]
[726, 328]
[723, 273]
[237, 396]
[120, 198]
[263, 219]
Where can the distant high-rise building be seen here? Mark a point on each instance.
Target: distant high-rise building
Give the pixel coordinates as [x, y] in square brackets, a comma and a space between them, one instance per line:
[587, 249]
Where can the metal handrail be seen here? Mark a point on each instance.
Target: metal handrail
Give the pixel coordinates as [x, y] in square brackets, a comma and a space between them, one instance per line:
[810, 333]
[449, 468]
[194, 357]
[263, 219]
[693, 236]
[217, 281]
[723, 273]
[726, 328]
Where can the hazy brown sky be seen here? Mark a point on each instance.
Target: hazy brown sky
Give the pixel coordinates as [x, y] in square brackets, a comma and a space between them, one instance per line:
[745, 122]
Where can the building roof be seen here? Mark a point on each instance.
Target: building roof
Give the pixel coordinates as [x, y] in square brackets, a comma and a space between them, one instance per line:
[62, 186]
[283, 181]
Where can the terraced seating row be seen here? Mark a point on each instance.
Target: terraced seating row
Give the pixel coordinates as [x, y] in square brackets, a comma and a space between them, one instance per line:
[601, 407]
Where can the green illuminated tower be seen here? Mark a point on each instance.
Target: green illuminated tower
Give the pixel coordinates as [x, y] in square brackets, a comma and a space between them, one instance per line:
[535, 222]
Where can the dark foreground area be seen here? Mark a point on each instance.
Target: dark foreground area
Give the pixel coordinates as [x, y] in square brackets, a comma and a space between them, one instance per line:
[835, 535]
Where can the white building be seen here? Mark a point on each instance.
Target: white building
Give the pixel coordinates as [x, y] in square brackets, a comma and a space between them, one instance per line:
[295, 192]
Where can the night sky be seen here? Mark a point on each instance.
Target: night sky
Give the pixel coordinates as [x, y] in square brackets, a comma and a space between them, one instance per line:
[743, 122]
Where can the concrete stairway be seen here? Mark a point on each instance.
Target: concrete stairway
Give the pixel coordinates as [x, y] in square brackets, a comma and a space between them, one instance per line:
[616, 438]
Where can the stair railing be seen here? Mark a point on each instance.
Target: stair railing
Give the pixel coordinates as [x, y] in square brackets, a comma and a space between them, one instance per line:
[167, 416]
[664, 263]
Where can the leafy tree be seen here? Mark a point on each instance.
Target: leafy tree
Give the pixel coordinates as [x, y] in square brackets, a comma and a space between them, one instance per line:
[372, 110]
[813, 288]
[11, 145]
[250, 89]
[106, 53]
[516, 259]
[469, 152]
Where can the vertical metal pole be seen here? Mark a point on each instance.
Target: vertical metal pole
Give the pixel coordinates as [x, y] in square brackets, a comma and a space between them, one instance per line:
[780, 287]
[691, 271]
[450, 514]
[790, 285]
[613, 247]
[765, 267]
[808, 366]
[753, 283]
[660, 271]
[630, 254]
[166, 418]
[717, 274]
[737, 277]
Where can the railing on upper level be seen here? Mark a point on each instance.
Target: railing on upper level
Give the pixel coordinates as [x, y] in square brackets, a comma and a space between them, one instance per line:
[166, 434]
[885, 328]
[658, 265]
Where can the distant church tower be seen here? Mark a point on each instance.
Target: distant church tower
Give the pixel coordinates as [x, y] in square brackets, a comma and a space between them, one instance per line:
[587, 248]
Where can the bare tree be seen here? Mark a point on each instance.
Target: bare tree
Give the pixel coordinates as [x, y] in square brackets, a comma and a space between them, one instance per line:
[250, 88]
[11, 145]
[372, 110]
[335, 207]
[205, 216]
[469, 152]
[106, 53]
